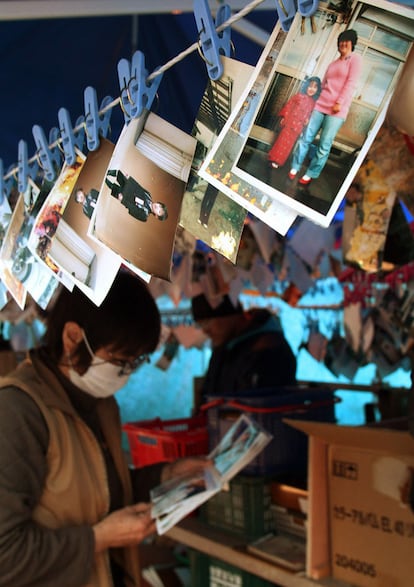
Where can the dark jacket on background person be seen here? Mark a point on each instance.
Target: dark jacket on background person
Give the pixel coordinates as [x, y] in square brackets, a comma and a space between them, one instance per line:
[56, 500]
[259, 357]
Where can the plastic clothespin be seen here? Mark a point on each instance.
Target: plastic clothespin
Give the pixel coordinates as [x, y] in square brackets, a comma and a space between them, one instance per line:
[96, 124]
[6, 184]
[49, 158]
[70, 137]
[25, 169]
[54, 140]
[286, 10]
[212, 44]
[136, 92]
[307, 7]
[223, 14]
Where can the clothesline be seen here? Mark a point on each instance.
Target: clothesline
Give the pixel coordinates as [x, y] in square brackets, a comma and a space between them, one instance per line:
[168, 65]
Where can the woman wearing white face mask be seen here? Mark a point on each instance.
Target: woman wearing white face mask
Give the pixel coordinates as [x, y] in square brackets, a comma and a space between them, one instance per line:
[71, 510]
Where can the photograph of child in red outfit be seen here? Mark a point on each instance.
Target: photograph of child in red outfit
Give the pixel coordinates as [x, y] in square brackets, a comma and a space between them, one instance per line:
[294, 117]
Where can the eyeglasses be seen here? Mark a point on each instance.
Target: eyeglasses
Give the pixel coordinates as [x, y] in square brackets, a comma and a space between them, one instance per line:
[125, 367]
[128, 367]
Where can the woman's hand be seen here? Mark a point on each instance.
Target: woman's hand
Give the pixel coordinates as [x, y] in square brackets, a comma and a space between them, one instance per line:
[336, 108]
[184, 466]
[124, 527]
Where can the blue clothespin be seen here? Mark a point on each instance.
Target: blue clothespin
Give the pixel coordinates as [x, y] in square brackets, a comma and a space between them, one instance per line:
[307, 7]
[6, 184]
[54, 141]
[212, 44]
[286, 10]
[223, 14]
[136, 92]
[96, 124]
[49, 158]
[70, 137]
[25, 168]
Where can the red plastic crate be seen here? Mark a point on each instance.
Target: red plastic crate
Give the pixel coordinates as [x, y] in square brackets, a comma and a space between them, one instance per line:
[152, 441]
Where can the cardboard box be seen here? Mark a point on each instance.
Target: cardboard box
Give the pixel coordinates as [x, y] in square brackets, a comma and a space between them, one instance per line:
[360, 526]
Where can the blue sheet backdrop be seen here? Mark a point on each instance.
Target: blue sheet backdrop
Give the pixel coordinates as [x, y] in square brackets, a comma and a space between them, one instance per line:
[47, 64]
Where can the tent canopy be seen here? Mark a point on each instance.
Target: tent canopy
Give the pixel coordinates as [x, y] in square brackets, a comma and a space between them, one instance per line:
[51, 51]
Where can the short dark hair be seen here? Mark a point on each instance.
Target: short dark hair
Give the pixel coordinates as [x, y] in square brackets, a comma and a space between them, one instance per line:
[128, 320]
[306, 83]
[348, 35]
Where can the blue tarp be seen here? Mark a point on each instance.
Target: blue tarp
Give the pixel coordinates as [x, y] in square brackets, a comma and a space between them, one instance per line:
[47, 64]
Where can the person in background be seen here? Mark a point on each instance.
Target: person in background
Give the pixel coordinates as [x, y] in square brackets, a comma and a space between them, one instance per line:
[331, 108]
[71, 510]
[293, 118]
[249, 349]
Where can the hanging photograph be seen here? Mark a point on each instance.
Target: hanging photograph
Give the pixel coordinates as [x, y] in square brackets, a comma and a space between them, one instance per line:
[217, 166]
[100, 264]
[42, 242]
[5, 216]
[140, 198]
[22, 271]
[206, 212]
[5, 219]
[320, 98]
[14, 286]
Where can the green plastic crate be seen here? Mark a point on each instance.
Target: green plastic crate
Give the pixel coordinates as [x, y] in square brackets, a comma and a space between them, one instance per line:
[207, 571]
[244, 510]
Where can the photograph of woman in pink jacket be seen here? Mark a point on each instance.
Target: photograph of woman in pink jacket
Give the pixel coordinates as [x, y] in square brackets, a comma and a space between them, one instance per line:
[294, 116]
[331, 108]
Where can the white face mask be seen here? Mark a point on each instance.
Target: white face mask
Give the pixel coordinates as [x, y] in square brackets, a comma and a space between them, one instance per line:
[102, 379]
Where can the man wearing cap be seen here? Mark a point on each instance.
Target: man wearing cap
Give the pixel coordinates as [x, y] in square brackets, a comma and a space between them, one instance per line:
[249, 348]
